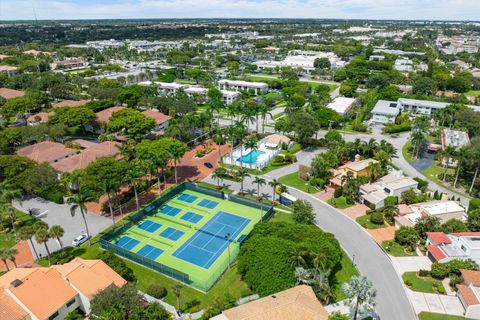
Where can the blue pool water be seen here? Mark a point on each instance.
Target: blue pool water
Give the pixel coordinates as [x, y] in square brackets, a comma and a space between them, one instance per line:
[251, 157]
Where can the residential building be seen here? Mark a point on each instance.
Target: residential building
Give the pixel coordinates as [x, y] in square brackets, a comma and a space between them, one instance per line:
[102, 117]
[299, 59]
[8, 70]
[229, 96]
[443, 210]
[297, 303]
[403, 65]
[69, 64]
[195, 90]
[70, 103]
[275, 141]
[420, 106]
[8, 94]
[376, 57]
[238, 85]
[357, 168]
[468, 291]
[341, 104]
[385, 112]
[453, 138]
[47, 151]
[41, 117]
[87, 155]
[161, 120]
[443, 247]
[169, 88]
[51, 293]
[393, 184]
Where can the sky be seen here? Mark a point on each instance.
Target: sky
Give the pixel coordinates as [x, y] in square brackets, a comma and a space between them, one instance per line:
[338, 9]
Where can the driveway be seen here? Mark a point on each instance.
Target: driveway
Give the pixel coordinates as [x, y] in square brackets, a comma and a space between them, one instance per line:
[59, 214]
[304, 157]
[408, 264]
[438, 303]
[372, 262]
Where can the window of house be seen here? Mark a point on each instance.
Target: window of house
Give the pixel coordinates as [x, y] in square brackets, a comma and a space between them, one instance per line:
[53, 316]
[463, 248]
[69, 303]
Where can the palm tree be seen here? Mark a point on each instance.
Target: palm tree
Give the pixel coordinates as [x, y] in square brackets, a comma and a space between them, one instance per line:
[8, 254]
[57, 232]
[133, 177]
[177, 291]
[259, 182]
[10, 212]
[303, 276]
[297, 257]
[390, 212]
[240, 133]
[8, 193]
[360, 293]
[274, 183]
[460, 156]
[26, 233]
[251, 144]
[264, 112]
[219, 174]
[374, 169]
[78, 201]
[242, 173]
[321, 285]
[42, 236]
[177, 150]
[447, 154]
[218, 139]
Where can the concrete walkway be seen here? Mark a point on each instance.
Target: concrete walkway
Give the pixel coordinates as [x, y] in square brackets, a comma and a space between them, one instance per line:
[438, 303]
[409, 264]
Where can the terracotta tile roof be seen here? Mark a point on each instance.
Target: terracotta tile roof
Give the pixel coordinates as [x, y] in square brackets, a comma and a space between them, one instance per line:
[43, 117]
[157, 116]
[471, 276]
[466, 234]
[90, 276]
[468, 295]
[9, 309]
[104, 115]
[298, 303]
[87, 156]
[436, 252]
[8, 68]
[438, 237]
[46, 151]
[404, 209]
[70, 103]
[43, 282]
[276, 139]
[10, 93]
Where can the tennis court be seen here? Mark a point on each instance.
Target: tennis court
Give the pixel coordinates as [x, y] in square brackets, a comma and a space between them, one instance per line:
[191, 235]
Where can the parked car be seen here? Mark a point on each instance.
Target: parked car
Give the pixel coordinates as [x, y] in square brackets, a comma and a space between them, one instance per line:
[208, 165]
[80, 240]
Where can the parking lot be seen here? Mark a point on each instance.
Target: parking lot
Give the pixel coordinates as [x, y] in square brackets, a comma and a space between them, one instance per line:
[59, 214]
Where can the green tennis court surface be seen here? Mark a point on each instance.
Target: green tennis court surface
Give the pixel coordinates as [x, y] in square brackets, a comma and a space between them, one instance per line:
[192, 233]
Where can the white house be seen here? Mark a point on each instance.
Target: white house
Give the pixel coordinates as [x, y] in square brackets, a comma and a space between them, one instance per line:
[169, 88]
[443, 210]
[385, 112]
[341, 104]
[420, 106]
[229, 96]
[393, 184]
[469, 293]
[238, 85]
[443, 247]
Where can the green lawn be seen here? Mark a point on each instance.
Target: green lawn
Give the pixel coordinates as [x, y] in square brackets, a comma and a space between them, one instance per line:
[343, 275]
[278, 115]
[407, 154]
[295, 147]
[437, 316]
[473, 93]
[7, 239]
[424, 284]
[365, 222]
[292, 180]
[339, 203]
[396, 249]
[282, 217]
[434, 171]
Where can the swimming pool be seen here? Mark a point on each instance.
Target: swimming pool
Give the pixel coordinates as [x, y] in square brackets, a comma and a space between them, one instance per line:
[251, 157]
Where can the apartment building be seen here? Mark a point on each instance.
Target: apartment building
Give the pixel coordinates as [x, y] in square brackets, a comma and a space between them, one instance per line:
[238, 85]
[385, 112]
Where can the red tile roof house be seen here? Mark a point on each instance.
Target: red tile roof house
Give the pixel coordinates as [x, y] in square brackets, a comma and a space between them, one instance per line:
[461, 245]
[70, 103]
[161, 120]
[469, 293]
[10, 93]
[41, 117]
[87, 155]
[53, 292]
[47, 151]
[102, 118]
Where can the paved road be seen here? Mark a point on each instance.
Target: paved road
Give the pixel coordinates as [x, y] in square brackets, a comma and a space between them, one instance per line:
[392, 301]
[53, 214]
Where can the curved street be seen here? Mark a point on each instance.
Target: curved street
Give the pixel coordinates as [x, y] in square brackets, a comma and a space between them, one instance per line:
[370, 259]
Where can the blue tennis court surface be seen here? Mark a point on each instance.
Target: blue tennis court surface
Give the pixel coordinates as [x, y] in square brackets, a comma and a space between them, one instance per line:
[149, 226]
[127, 243]
[210, 204]
[170, 211]
[172, 234]
[187, 198]
[209, 242]
[150, 252]
[191, 217]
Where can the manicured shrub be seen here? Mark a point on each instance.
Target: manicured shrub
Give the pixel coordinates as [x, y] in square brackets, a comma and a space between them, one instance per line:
[156, 291]
[456, 264]
[440, 270]
[390, 201]
[338, 192]
[376, 217]
[118, 265]
[422, 184]
[440, 289]
[406, 236]
[396, 128]
[53, 194]
[424, 273]
[317, 182]
[473, 204]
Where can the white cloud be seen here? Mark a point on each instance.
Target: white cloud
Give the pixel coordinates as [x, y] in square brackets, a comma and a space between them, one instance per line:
[348, 9]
